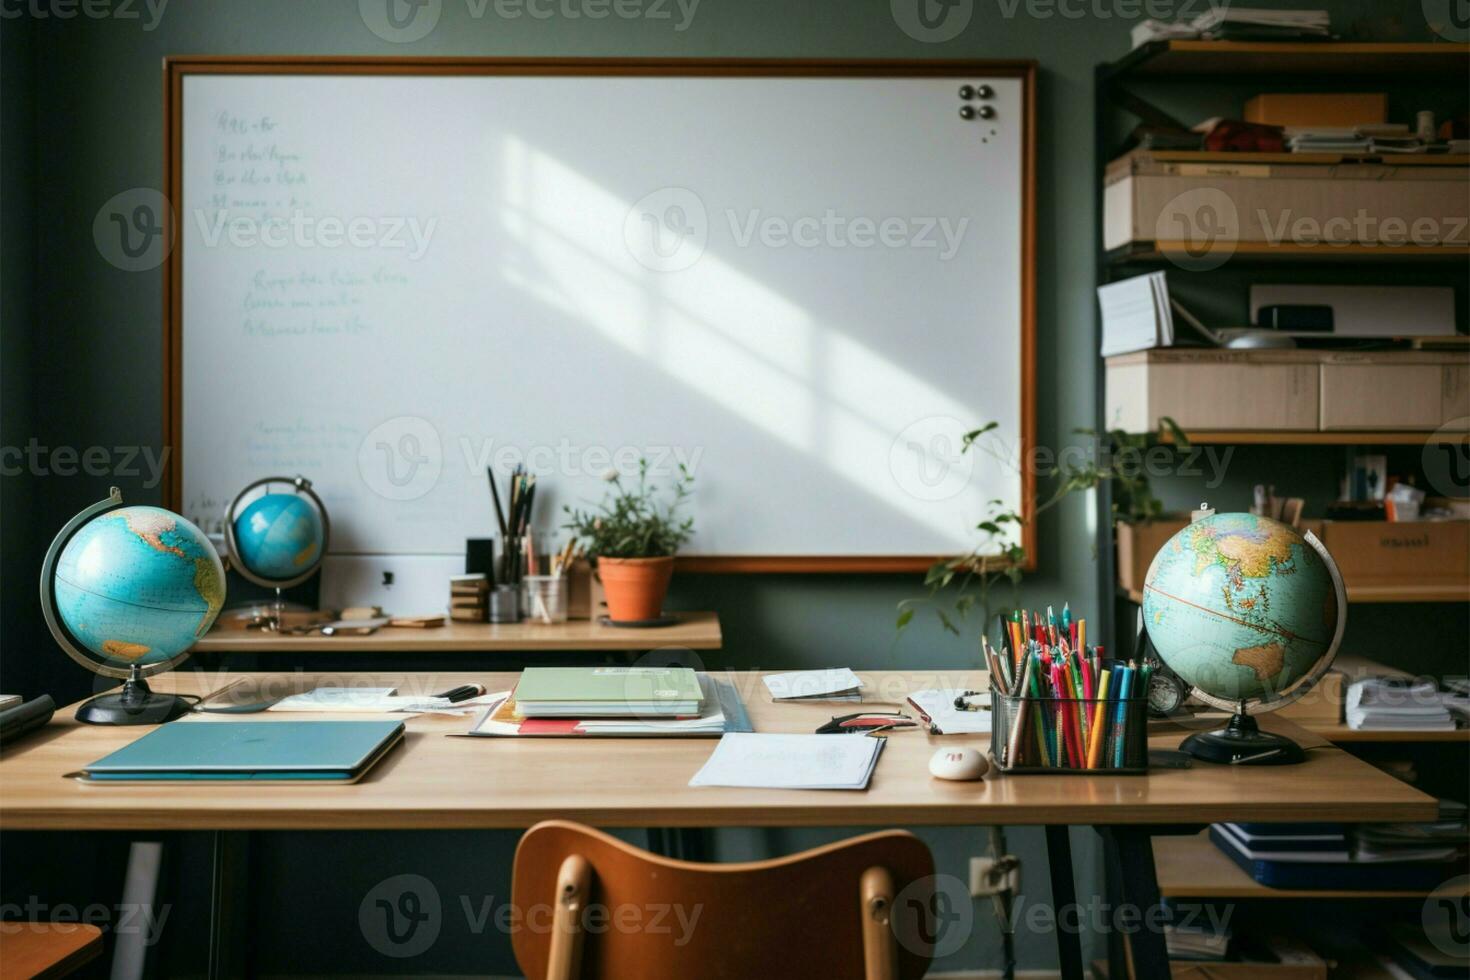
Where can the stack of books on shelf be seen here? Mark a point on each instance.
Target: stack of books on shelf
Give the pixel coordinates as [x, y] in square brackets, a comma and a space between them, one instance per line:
[1398, 703]
[469, 598]
[1370, 857]
[1376, 138]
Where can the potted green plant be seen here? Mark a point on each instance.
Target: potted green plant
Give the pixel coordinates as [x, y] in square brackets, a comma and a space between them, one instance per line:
[632, 536]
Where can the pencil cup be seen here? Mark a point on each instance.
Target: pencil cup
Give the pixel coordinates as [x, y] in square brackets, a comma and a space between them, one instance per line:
[544, 598]
[1069, 736]
[505, 604]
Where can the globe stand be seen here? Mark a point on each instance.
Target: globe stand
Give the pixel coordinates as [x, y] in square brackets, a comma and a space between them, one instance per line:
[135, 704]
[1242, 743]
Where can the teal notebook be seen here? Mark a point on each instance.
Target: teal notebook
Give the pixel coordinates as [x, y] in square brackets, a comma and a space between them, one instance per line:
[339, 751]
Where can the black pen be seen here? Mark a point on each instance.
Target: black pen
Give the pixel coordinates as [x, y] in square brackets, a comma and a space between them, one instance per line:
[462, 693]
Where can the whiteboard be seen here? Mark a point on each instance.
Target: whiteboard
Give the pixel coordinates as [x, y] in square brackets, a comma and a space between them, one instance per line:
[804, 289]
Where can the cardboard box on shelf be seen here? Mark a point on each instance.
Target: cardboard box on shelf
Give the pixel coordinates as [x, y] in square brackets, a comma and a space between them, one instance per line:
[1147, 199]
[1409, 553]
[1308, 109]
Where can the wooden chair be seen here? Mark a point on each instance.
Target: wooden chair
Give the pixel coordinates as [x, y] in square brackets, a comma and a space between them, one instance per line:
[32, 950]
[590, 906]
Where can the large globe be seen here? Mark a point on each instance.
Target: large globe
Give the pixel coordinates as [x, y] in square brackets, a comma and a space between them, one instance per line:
[278, 536]
[1241, 607]
[138, 586]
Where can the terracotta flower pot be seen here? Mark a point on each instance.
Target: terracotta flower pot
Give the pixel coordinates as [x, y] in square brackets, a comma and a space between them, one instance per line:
[635, 587]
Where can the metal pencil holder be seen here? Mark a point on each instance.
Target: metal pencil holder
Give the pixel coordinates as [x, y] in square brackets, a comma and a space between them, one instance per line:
[1069, 736]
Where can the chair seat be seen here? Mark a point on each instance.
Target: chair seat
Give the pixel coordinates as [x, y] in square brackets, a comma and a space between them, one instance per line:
[46, 949]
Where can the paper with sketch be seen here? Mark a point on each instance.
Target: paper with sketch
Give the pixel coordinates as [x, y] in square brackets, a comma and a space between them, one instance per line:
[936, 708]
[834, 684]
[374, 700]
[754, 760]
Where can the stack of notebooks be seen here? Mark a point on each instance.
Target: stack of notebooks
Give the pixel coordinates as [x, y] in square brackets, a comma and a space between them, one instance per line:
[1388, 703]
[469, 598]
[615, 701]
[1376, 138]
[1327, 856]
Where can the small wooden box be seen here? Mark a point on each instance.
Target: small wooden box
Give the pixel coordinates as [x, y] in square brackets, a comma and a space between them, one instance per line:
[1317, 108]
[584, 592]
[1137, 545]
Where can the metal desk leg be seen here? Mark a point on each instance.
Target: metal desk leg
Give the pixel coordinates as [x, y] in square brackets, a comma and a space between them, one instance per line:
[1140, 885]
[229, 904]
[1067, 917]
[1113, 883]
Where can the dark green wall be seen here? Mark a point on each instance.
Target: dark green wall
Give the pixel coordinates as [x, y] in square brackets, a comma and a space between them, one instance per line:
[82, 354]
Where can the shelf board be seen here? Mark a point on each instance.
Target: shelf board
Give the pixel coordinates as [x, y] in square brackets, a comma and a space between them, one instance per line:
[1345, 58]
[1195, 868]
[1178, 252]
[1407, 159]
[1356, 437]
[695, 631]
[1336, 732]
[1433, 592]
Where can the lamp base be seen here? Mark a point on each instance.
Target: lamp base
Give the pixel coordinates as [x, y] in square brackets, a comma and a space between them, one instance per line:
[1242, 743]
[135, 704]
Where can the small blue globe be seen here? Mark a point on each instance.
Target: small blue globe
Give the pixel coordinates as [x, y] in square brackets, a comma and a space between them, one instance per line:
[138, 585]
[279, 536]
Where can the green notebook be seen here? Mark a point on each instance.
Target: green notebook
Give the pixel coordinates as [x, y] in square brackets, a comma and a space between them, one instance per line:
[589, 692]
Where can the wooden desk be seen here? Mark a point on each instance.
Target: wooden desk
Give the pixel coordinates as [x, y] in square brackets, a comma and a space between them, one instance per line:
[695, 631]
[423, 785]
[434, 781]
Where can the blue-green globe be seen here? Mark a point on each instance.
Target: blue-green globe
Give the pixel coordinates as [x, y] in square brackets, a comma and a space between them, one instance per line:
[1241, 607]
[138, 585]
[278, 536]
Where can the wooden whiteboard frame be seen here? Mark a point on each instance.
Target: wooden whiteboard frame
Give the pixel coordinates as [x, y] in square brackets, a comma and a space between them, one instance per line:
[177, 67]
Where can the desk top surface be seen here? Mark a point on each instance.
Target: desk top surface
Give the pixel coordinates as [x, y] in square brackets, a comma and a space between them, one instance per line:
[434, 781]
[694, 631]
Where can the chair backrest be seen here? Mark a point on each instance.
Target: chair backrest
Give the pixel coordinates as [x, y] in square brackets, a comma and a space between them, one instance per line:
[589, 905]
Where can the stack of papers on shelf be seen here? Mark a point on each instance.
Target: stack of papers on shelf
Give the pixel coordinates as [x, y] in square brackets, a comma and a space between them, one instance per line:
[1199, 942]
[1238, 24]
[1413, 954]
[1444, 839]
[1375, 138]
[608, 692]
[1136, 314]
[755, 761]
[1388, 703]
[837, 684]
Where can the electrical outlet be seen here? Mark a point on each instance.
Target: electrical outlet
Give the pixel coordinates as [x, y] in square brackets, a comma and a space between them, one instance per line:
[989, 876]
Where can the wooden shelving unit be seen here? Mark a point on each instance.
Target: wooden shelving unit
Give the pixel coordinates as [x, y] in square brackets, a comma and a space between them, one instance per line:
[1192, 866]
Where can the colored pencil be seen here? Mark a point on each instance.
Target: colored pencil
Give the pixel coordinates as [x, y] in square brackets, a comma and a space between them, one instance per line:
[1094, 750]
